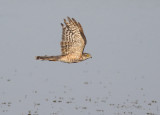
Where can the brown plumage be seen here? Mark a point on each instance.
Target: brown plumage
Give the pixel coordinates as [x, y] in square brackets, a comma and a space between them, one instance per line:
[72, 44]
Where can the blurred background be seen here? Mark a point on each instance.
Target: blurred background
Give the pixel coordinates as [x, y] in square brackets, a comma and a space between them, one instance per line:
[122, 78]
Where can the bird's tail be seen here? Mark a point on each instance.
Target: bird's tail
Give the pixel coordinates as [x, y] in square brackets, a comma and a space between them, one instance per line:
[49, 58]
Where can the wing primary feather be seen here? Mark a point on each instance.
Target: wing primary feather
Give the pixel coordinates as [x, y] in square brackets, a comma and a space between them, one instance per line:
[80, 27]
[74, 21]
[82, 33]
[67, 25]
[62, 25]
[69, 19]
[65, 21]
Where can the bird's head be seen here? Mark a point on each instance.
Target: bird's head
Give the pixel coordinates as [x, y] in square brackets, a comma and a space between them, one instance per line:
[86, 56]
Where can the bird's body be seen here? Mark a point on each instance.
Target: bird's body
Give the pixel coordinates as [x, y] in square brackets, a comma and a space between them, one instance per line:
[72, 44]
[66, 58]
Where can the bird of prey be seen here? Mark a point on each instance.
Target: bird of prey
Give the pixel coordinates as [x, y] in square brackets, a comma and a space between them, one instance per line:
[72, 44]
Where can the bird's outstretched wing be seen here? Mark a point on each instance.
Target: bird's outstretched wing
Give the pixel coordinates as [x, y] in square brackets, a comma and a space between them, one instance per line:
[73, 38]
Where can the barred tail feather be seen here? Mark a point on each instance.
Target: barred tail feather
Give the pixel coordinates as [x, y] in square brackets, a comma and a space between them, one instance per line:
[49, 58]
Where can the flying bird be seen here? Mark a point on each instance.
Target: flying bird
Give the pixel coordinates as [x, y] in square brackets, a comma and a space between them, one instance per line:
[72, 44]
